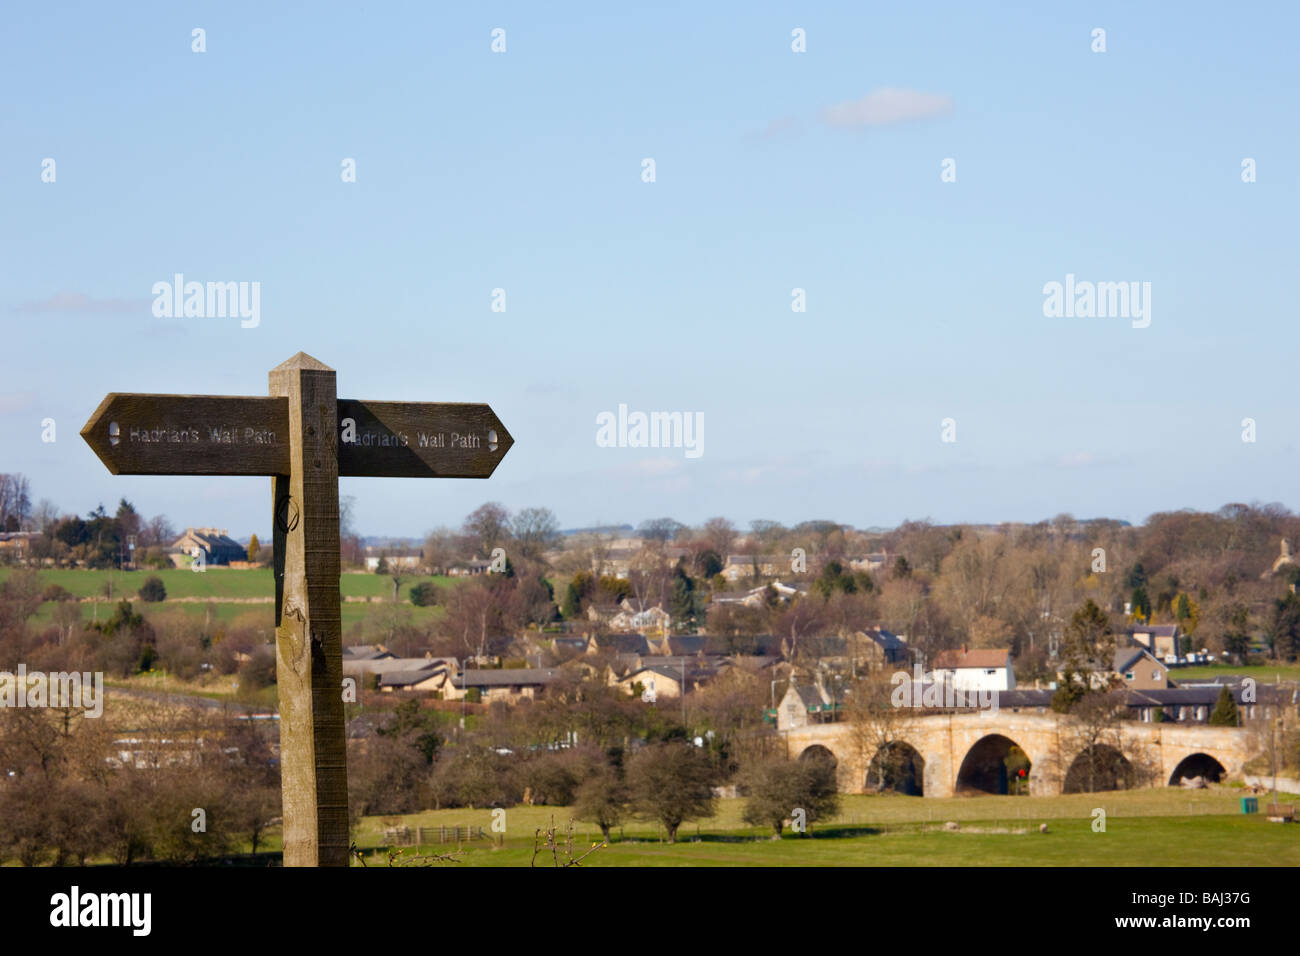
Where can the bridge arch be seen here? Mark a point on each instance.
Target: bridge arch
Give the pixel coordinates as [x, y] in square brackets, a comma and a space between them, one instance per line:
[1198, 765]
[1099, 768]
[896, 766]
[991, 764]
[818, 752]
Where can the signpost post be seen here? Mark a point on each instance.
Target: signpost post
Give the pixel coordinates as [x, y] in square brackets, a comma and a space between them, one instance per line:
[305, 438]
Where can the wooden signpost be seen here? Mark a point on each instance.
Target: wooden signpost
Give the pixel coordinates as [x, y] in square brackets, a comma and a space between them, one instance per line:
[305, 438]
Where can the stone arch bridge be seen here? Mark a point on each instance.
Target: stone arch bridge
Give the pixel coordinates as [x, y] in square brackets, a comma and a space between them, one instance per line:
[946, 754]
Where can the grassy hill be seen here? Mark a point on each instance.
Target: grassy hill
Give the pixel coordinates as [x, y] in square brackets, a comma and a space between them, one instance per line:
[222, 592]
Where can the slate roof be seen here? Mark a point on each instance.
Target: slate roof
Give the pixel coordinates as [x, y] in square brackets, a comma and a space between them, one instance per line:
[365, 725]
[1157, 630]
[570, 643]
[686, 644]
[220, 547]
[365, 652]
[508, 677]
[1029, 697]
[625, 643]
[409, 677]
[388, 665]
[893, 647]
[1126, 656]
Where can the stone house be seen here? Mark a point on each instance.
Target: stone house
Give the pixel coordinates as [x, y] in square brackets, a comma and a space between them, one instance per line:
[1162, 640]
[217, 546]
[739, 567]
[506, 684]
[1139, 670]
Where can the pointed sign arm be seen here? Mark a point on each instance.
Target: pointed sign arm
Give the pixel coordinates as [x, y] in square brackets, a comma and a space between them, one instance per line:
[139, 434]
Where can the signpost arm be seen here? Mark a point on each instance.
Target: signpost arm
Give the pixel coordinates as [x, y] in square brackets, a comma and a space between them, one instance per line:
[308, 631]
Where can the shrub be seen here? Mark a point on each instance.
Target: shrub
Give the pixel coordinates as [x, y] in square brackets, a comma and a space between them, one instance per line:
[258, 671]
[153, 590]
[424, 594]
[56, 592]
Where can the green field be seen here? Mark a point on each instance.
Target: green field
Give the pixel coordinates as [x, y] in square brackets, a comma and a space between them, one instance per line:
[224, 593]
[1263, 673]
[1143, 828]
[215, 583]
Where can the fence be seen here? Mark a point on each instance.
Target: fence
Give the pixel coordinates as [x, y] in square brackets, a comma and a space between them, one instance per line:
[405, 836]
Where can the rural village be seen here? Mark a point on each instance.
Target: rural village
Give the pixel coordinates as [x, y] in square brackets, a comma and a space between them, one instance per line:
[646, 674]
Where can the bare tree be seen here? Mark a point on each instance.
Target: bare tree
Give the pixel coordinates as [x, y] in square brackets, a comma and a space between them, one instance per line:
[442, 548]
[480, 615]
[15, 502]
[1090, 746]
[45, 516]
[878, 729]
[661, 530]
[795, 623]
[157, 533]
[720, 534]
[535, 531]
[488, 526]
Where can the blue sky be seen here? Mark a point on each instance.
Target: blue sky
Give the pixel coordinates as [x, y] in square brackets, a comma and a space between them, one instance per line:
[522, 171]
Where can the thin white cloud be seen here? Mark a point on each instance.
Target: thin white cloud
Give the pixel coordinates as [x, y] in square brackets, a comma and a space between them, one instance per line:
[1086, 459]
[783, 128]
[12, 402]
[79, 302]
[647, 468]
[887, 106]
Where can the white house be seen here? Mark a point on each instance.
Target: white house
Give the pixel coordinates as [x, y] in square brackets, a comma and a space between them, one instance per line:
[393, 557]
[979, 669]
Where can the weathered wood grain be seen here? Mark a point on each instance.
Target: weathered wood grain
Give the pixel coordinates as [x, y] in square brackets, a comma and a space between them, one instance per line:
[190, 434]
[419, 439]
[308, 631]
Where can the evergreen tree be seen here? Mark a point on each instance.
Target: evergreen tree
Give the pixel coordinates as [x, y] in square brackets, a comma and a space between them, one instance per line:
[1236, 638]
[153, 590]
[1140, 603]
[682, 602]
[1088, 649]
[1286, 627]
[1225, 710]
[579, 593]
[424, 594]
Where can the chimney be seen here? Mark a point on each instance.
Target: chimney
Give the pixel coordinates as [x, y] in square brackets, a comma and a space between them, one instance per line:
[963, 650]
